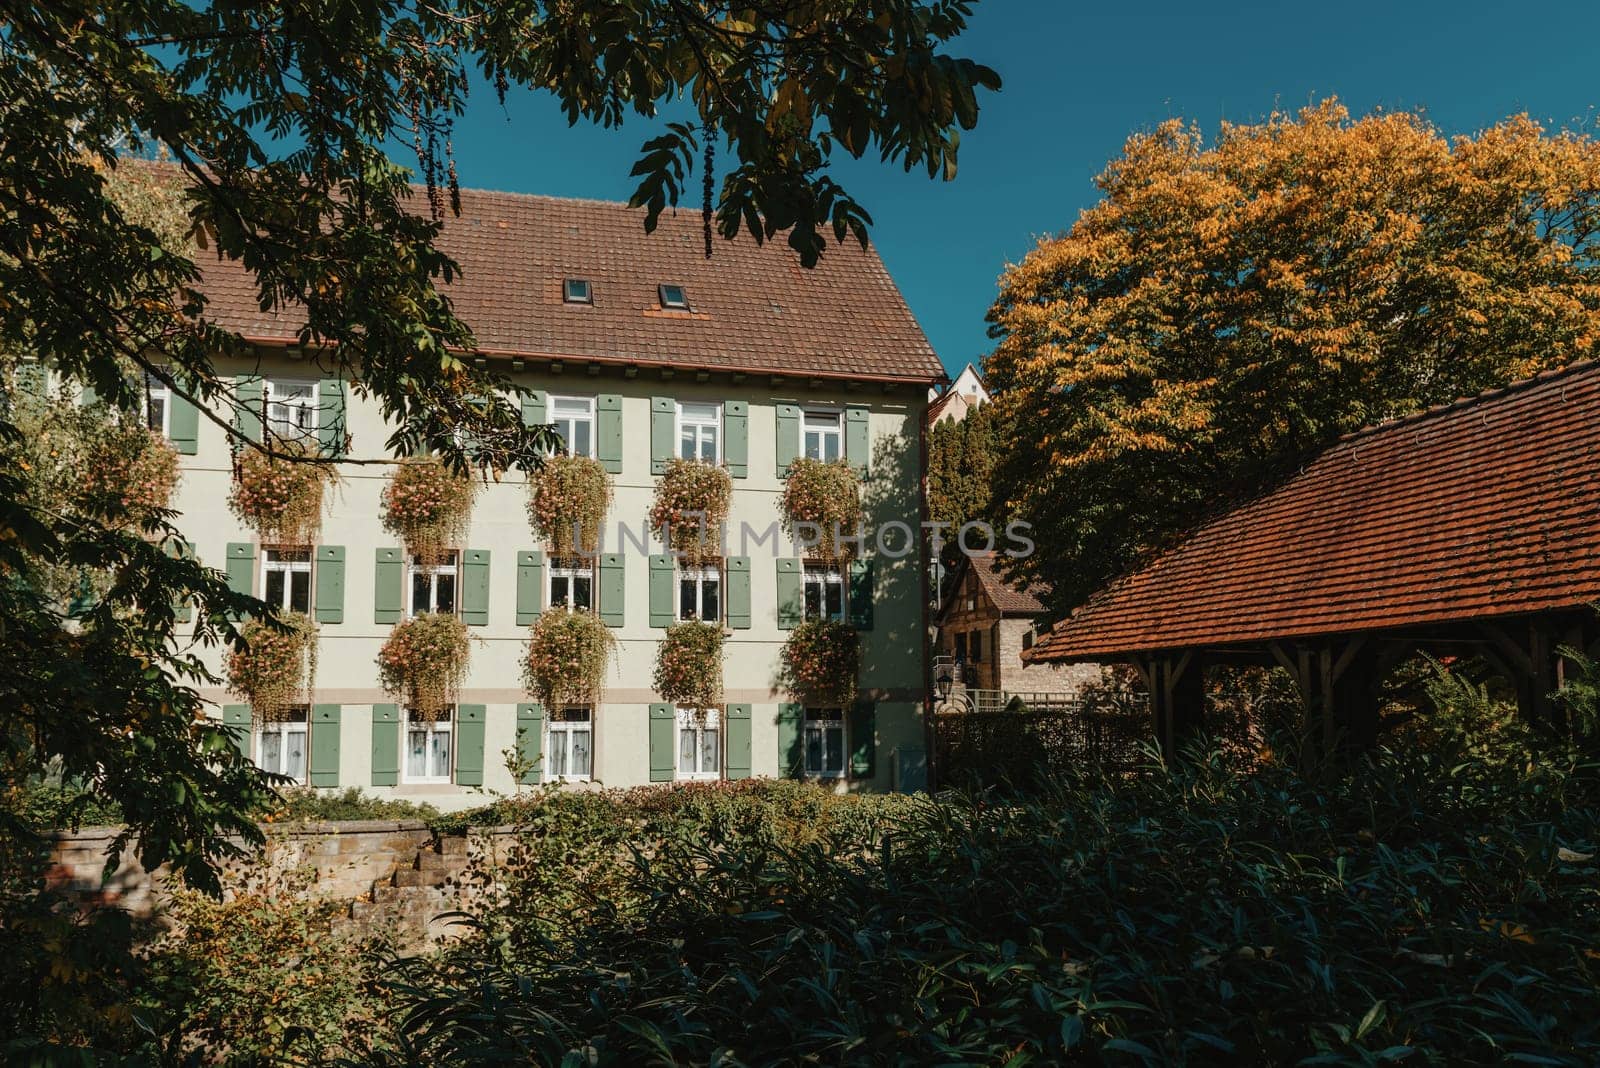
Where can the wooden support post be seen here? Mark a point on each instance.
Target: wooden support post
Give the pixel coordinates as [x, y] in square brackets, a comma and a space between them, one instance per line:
[1177, 698]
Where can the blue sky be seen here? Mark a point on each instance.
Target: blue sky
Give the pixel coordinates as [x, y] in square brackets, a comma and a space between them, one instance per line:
[1077, 84]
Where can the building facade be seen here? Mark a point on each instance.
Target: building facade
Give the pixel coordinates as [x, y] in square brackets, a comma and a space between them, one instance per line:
[963, 396]
[638, 349]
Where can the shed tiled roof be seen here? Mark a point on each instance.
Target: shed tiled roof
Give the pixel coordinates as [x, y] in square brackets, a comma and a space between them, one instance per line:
[1486, 507]
[753, 307]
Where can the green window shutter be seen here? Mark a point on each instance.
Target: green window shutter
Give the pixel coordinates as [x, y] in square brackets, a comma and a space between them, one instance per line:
[861, 594]
[242, 567]
[469, 745]
[32, 378]
[183, 608]
[738, 595]
[608, 431]
[789, 594]
[330, 584]
[530, 583]
[325, 745]
[736, 731]
[247, 392]
[663, 743]
[791, 757]
[613, 575]
[530, 743]
[863, 740]
[857, 440]
[183, 425]
[388, 586]
[788, 414]
[385, 745]
[736, 438]
[533, 405]
[331, 428]
[238, 718]
[475, 587]
[663, 432]
[661, 573]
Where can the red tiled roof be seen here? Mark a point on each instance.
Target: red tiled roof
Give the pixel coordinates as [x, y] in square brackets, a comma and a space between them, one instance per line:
[753, 308]
[1486, 507]
[1009, 600]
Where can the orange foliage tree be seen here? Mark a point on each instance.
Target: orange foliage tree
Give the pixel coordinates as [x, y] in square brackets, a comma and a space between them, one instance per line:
[1227, 308]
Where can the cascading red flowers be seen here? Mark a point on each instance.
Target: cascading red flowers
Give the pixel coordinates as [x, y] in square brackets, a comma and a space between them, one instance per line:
[566, 659]
[424, 661]
[567, 502]
[281, 498]
[690, 507]
[826, 496]
[276, 667]
[689, 665]
[820, 662]
[127, 474]
[428, 507]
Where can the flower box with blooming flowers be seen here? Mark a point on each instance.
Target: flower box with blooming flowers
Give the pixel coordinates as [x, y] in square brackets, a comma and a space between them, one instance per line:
[567, 502]
[428, 507]
[276, 666]
[424, 661]
[128, 474]
[280, 496]
[689, 665]
[820, 661]
[690, 507]
[826, 495]
[566, 658]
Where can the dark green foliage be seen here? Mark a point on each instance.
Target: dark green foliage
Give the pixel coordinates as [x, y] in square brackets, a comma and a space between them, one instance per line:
[348, 804]
[961, 459]
[1429, 905]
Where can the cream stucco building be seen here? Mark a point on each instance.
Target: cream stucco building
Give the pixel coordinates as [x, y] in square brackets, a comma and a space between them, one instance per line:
[639, 348]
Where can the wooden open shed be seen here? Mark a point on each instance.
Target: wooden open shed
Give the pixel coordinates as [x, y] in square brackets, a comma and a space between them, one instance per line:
[1472, 528]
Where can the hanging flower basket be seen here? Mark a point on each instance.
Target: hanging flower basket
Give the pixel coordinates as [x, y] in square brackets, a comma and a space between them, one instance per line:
[567, 657]
[428, 507]
[691, 505]
[820, 663]
[567, 502]
[424, 662]
[689, 665]
[827, 496]
[280, 498]
[276, 668]
[128, 473]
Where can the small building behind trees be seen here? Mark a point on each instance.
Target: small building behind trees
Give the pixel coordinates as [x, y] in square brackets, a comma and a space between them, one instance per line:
[1469, 529]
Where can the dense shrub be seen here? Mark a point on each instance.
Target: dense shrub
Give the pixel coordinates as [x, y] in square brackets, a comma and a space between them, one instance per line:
[1427, 904]
[349, 804]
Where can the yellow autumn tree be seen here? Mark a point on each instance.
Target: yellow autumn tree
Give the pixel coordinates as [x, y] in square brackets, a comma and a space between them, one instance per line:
[1228, 308]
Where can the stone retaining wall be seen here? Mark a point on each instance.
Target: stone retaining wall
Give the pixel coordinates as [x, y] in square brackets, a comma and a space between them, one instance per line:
[397, 874]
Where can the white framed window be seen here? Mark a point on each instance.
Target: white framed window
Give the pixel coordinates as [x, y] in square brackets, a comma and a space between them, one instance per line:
[286, 578]
[699, 743]
[429, 746]
[158, 406]
[570, 586]
[569, 744]
[700, 594]
[282, 742]
[822, 433]
[824, 591]
[700, 431]
[574, 421]
[433, 584]
[824, 743]
[291, 407]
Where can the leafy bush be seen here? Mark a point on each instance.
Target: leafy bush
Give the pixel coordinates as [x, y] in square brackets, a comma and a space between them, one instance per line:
[820, 661]
[689, 664]
[825, 497]
[566, 659]
[428, 507]
[1428, 905]
[567, 502]
[690, 506]
[424, 660]
[349, 804]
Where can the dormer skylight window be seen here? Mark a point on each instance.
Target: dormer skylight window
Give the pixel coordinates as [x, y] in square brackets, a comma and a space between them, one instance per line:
[577, 291]
[673, 297]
